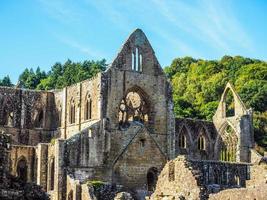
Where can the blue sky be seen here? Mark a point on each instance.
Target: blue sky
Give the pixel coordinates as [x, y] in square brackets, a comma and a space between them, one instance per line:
[41, 32]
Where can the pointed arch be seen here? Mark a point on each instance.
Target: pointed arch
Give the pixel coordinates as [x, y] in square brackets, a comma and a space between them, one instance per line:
[229, 103]
[228, 143]
[233, 105]
[203, 139]
[72, 111]
[88, 107]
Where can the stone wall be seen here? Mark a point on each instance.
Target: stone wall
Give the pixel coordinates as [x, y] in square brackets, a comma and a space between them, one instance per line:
[256, 186]
[77, 95]
[27, 115]
[194, 179]
[192, 129]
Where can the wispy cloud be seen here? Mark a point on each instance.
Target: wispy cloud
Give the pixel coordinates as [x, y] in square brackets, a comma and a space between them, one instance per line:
[211, 22]
[83, 48]
[60, 10]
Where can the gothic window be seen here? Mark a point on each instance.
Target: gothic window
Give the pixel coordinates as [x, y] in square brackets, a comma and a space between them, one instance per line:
[72, 112]
[88, 108]
[237, 180]
[201, 143]
[229, 104]
[182, 141]
[228, 144]
[137, 60]
[133, 107]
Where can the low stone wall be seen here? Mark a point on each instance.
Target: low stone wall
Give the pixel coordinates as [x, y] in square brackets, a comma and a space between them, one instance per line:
[256, 186]
[182, 178]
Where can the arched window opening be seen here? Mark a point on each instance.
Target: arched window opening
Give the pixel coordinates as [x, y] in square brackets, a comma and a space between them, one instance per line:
[52, 170]
[72, 112]
[228, 145]
[229, 104]
[152, 176]
[22, 169]
[133, 62]
[133, 107]
[88, 108]
[201, 143]
[137, 60]
[182, 141]
[237, 180]
[70, 195]
[140, 62]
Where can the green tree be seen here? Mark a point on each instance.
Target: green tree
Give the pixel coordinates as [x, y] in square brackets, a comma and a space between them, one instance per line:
[6, 82]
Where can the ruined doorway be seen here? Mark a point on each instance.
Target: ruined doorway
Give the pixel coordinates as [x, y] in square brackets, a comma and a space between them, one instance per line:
[152, 177]
[22, 169]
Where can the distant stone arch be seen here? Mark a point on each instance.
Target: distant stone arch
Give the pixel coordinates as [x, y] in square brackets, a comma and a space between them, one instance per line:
[22, 169]
[152, 177]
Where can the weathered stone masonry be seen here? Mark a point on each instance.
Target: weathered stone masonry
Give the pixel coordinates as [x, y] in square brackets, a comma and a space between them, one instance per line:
[119, 128]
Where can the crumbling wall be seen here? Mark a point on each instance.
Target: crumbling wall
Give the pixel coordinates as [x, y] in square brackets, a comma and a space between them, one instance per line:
[256, 186]
[195, 179]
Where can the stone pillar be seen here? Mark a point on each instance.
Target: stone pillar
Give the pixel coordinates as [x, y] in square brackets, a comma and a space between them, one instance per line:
[60, 176]
[42, 154]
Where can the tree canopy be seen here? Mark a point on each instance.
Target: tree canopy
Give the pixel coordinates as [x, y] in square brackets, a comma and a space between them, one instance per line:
[198, 85]
[6, 82]
[60, 75]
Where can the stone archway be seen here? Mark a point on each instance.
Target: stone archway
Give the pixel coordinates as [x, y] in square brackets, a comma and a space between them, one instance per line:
[22, 169]
[152, 177]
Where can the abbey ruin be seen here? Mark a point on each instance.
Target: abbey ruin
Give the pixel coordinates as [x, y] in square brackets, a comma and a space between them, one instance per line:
[119, 129]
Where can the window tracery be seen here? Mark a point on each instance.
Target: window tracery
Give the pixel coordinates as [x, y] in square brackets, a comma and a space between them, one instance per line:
[133, 107]
[229, 144]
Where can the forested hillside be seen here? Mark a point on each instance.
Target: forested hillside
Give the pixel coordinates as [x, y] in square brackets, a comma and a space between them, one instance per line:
[198, 85]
